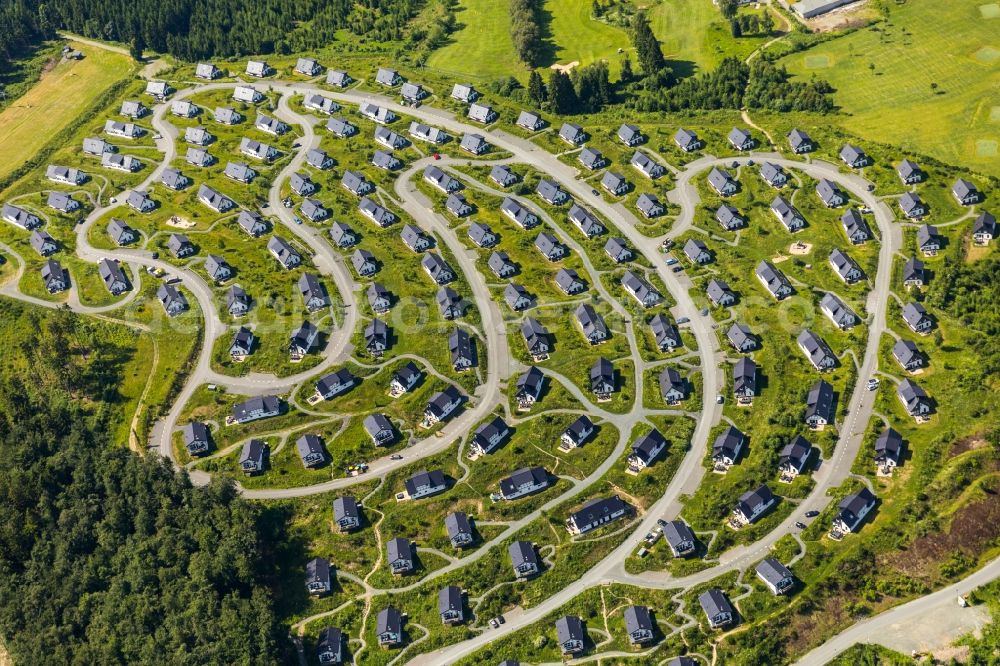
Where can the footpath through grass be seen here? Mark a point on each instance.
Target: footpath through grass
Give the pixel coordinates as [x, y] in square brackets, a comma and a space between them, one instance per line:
[60, 96]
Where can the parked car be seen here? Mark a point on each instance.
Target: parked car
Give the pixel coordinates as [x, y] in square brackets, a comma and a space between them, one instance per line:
[801, 526]
[682, 320]
[812, 514]
[395, 456]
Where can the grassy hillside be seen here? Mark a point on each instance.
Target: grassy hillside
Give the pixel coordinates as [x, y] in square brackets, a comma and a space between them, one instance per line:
[59, 97]
[927, 80]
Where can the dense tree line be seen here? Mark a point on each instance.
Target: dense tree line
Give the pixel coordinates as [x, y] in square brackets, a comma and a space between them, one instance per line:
[107, 557]
[735, 85]
[21, 26]
[198, 29]
[525, 31]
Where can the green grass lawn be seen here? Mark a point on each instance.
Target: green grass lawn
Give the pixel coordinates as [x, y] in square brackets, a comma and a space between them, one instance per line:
[56, 100]
[468, 54]
[932, 69]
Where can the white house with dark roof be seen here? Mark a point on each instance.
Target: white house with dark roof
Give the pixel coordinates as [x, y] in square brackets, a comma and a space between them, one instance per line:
[123, 130]
[845, 267]
[773, 174]
[574, 436]
[687, 140]
[62, 202]
[617, 250]
[888, 451]
[722, 182]
[838, 312]
[437, 268]
[113, 277]
[427, 133]
[787, 214]
[65, 175]
[816, 350]
[356, 183]
[333, 384]
[646, 450]
[247, 95]
[585, 221]
[270, 125]
[388, 77]
[550, 192]
[338, 78]
[745, 381]
[218, 268]
[697, 252]
[647, 165]
[307, 67]
[752, 505]
[301, 184]
[851, 513]
[602, 379]
[773, 280]
[909, 172]
[536, 339]
[528, 388]
[241, 172]
[726, 449]
[630, 135]
[503, 175]
[523, 559]
[928, 240]
[917, 318]
[741, 338]
[199, 157]
[819, 405]
[984, 229]
[139, 201]
[207, 71]
[389, 627]
[853, 156]
[482, 235]
[462, 348]
[592, 325]
[197, 438]
[364, 262]
[719, 292]
[198, 136]
[518, 214]
[679, 538]
[439, 179]
[649, 205]
[775, 576]
[855, 227]
[569, 281]
[121, 233]
[914, 274]
[390, 139]
[180, 245]
[257, 150]
[171, 299]
[379, 298]
[615, 183]
[572, 134]
[174, 179]
[550, 247]
[379, 114]
[376, 213]
[591, 158]
[341, 128]
[286, 255]
[133, 108]
[912, 206]
[97, 146]
[313, 293]
[596, 513]
[258, 69]
[488, 436]
[238, 303]
[214, 199]
[256, 408]
[54, 277]
[914, 399]
[640, 289]
[320, 104]
[459, 529]
[530, 121]
[570, 635]
[458, 205]
[386, 160]
[379, 429]
[793, 458]
[424, 483]
[482, 113]
[830, 193]
[464, 92]
[252, 223]
[501, 265]
[965, 192]
[730, 218]
[665, 332]
[450, 303]
[740, 139]
[908, 355]
[225, 115]
[800, 142]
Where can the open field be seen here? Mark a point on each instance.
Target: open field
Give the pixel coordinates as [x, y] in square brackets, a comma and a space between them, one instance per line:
[926, 80]
[468, 54]
[56, 100]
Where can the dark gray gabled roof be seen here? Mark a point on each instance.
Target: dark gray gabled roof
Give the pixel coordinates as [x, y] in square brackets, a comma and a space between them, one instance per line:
[591, 158]
[671, 380]
[914, 313]
[745, 375]
[433, 478]
[714, 602]
[522, 552]
[637, 618]
[796, 452]
[577, 428]
[664, 329]
[852, 505]
[346, 507]
[851, 154]
[729, 443]
[907, 168]
[530, 380]
[815, 347]
[533, 476]
[591, 322]
[569, 628]
[913, 269]
[889, 444]
[720, 179]
[986, 223]
[677, 533]
[798, 138]
[377, 423]
[566, 278]
[389, 621]
[450, 599]
[648, 446]
[927, 234]
[773, 571]
[739, 136]
[717, 289]
[819, 401]
[906, 352]
[457, 524]
[399, 549]
[685, 137]
[854, 224]
[740, 335]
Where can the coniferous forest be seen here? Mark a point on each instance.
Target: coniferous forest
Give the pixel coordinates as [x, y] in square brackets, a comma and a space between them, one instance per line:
[108, 557]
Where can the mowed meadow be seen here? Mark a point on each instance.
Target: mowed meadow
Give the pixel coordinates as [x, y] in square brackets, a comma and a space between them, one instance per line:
[63, 93]
[926, 80]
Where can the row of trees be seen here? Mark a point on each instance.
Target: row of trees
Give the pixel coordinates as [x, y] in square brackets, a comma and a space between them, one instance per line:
[525, 31]
[108, 557]
[198, 29]
[736, 85]
[21, 25]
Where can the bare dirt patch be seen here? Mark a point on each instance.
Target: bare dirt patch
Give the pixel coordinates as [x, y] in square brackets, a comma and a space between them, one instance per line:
[778, 259]
[179, 222]
[970, 443]
[854, 15]
[799, 248]
[565, 69]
